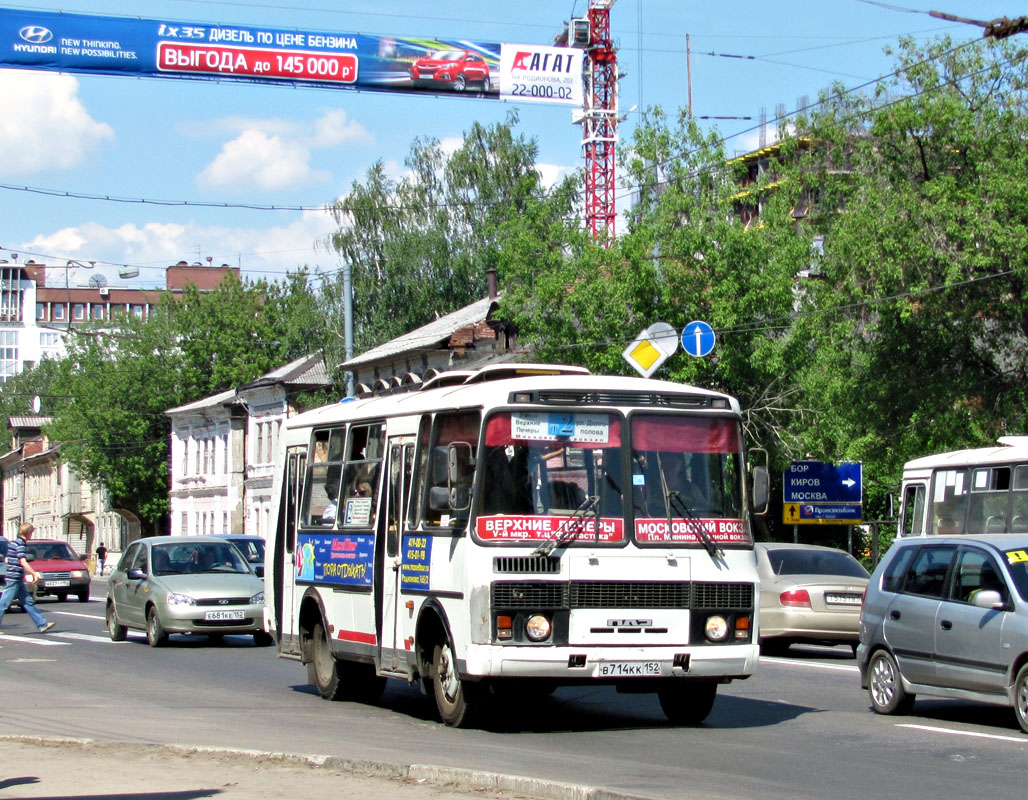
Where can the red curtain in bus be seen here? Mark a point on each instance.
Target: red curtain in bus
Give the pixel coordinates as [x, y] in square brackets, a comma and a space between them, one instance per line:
[680, 434]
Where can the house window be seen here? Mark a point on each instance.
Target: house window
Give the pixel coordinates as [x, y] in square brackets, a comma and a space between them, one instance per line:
[78, 312]
[59, 311]
[98, 311]
[40, 310]
[137, 311]
[8, 354]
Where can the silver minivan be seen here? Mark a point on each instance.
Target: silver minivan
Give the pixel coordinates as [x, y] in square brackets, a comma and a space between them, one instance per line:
[947, 616]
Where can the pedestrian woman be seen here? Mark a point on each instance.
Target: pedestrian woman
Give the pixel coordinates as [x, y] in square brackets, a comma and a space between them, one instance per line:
[19, 575]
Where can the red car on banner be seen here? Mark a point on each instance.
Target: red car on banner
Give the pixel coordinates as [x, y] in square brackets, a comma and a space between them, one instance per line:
[458, 69]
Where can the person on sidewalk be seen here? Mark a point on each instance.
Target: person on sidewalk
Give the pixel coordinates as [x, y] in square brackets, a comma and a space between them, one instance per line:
[101, 559]
[19, 575]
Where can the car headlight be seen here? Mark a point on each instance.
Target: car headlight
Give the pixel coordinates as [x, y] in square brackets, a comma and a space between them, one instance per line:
[716, 628]
[257, 599]
[78, 573]
[537, 628]
[175, 599]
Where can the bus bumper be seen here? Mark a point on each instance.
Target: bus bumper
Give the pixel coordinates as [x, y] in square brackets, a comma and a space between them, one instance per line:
[611, 663]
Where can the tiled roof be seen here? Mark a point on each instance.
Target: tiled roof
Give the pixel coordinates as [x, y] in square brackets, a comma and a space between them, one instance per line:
[427, 337]
[28, 422]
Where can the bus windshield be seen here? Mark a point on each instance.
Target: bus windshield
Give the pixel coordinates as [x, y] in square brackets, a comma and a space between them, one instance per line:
[551, 465]
[687, 474]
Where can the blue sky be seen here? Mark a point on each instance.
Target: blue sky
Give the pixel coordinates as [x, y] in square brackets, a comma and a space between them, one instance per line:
[233, 143]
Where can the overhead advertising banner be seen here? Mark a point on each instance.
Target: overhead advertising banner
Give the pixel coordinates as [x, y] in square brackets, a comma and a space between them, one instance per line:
[81, 43]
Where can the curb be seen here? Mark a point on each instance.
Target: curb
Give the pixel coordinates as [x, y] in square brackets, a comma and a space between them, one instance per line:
[416, 773]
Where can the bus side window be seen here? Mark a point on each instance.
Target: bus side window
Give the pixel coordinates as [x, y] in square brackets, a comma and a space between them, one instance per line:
[460, 429]
[912, 523]
[321, 483]
[358, 502]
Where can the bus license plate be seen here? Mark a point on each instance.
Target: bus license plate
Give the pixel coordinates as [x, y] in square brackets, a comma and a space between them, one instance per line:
[220, 615]
[629, 669]
[50, 584]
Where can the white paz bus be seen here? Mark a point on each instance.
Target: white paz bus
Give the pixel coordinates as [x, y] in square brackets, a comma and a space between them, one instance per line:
[984, 490]
[514, 529]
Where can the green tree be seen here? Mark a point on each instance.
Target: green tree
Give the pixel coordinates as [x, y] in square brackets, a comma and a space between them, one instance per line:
[919, 325]
[420, 246]
[114, 387]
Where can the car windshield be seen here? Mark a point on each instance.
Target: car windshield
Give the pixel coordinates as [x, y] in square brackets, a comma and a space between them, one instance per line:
[448, 55]
[183, 559]
[252, 549]
[51, 552]
[815, 562]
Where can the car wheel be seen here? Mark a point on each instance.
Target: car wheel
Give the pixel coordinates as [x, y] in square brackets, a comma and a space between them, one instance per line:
[485, 84]
[459, 701]
[885, 685]
[1021, 697]
[687, 702]
[774, 647]
[262, 639]
[61, 596]
[323, 669]
[460, 84]
[83, 597]
[116, 630]
[155, 635]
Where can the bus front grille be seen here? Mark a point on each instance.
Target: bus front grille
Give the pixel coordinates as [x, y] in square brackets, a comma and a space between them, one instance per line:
[542, 595]
[525, 565]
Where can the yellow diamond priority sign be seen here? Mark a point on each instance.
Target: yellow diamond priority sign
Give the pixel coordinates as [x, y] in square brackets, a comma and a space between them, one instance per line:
[651, 348]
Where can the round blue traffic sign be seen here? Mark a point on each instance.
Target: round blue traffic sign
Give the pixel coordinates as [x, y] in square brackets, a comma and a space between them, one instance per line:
[698, 339]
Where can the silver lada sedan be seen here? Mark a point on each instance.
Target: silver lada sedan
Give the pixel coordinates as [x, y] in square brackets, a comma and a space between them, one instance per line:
[185, 584]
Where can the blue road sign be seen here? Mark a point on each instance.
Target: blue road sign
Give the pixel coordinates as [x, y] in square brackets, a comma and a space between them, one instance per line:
[698, 339]
[818, 482]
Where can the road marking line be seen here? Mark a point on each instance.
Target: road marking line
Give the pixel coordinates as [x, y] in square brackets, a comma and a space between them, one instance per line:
[809, 664]
[973, 734]
[85, 637]
[8, 637]
[74, 614]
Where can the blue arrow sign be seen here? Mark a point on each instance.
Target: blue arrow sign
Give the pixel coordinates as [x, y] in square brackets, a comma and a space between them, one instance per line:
[817, 482]
[698, 339]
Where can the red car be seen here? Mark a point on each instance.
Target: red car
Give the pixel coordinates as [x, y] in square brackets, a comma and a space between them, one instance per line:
[455, 68]
[63, 570]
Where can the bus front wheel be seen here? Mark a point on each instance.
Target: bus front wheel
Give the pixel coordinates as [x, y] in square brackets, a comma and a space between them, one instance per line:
[687, 702]
[323, 669]
[458, 701]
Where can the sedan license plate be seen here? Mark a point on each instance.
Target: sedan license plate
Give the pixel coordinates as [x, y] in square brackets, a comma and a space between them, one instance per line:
[629, 669]
[842, 599]
[50, 584]
[214, 616]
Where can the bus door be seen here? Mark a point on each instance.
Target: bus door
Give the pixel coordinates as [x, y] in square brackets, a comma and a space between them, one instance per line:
[284, 569]
[400, 455]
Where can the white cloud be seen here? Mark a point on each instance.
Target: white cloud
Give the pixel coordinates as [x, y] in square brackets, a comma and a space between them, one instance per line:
[262, 160]
[44, 125]
[551, 174]
[276, 154]
[261, 252]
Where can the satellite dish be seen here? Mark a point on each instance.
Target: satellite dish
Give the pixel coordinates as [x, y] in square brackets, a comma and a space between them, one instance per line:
[35, 404]
[97, 280]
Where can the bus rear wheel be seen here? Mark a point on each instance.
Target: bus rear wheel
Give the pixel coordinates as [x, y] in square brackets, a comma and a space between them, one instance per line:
[459, 701]
[687, 702]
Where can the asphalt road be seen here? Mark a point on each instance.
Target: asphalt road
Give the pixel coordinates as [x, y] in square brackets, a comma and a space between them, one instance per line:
[800, 728]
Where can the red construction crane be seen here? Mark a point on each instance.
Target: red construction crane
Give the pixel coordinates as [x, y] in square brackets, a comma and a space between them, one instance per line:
[599, 117]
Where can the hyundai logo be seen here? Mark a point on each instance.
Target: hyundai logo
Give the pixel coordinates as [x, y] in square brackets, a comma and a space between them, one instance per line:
[36, 34]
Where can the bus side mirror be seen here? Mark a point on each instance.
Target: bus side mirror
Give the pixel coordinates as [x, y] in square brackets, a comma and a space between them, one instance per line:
[460, 466]
[760, 490]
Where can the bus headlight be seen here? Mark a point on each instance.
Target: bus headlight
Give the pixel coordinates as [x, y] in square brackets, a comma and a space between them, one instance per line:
[716, 629]
[537, 628]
